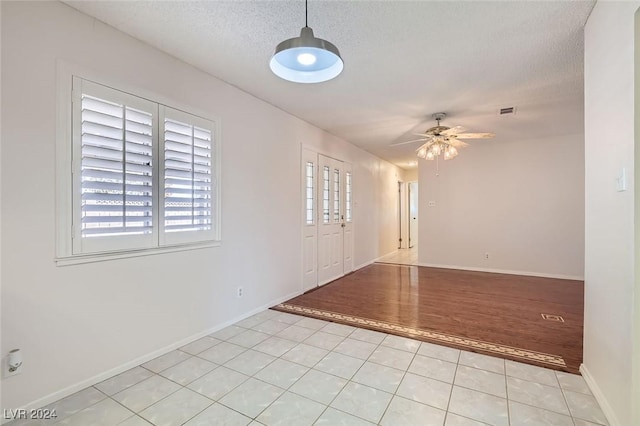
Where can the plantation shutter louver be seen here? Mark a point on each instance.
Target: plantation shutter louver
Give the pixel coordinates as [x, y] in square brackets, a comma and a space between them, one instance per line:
[189, 178]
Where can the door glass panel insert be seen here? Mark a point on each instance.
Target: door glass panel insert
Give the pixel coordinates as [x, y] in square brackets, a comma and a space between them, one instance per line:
[347, 196]
[309, 194]
[336, 195]
[325, 195]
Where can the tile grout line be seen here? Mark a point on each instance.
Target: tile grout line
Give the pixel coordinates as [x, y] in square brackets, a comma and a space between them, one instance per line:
[453, 384]
[327, 406]
[395, 393]
[506, 393]
[564, 397]
[350, 380]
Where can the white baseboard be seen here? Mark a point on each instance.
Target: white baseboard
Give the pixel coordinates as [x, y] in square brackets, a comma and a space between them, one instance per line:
[69, 390]
[385, 255]
[599, 396]
[364, 264]
[504, 271]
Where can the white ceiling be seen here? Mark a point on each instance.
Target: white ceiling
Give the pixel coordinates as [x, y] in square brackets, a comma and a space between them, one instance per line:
[404, 60]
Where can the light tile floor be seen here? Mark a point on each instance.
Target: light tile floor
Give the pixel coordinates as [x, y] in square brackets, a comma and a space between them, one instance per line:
[401, 257]
[280, 369]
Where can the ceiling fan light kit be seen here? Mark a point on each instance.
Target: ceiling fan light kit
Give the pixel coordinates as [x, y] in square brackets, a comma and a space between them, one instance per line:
[306, 59]
[444, 140]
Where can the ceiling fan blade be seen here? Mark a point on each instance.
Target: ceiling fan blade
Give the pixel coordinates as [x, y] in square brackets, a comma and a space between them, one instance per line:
[406, 142]
[457, 144]
[475, 135]
[453, 131]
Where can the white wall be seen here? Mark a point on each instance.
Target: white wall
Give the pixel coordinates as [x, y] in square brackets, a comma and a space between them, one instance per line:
[75, 323]
[388, 218]
[521, 201]
[1, 351]
[609, 228]
[411, 175]
[635, 396]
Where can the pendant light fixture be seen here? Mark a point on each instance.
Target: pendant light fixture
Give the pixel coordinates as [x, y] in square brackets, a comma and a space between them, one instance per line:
[306, 59]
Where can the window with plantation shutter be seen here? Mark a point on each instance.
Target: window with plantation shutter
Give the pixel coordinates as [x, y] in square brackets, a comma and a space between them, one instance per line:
[117, 172]
[144, 175]
[189, 180]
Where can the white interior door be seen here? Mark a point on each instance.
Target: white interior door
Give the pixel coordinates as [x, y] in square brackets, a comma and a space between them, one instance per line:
[413, 214]
[330, 223]
[403, 215]
[309, 174]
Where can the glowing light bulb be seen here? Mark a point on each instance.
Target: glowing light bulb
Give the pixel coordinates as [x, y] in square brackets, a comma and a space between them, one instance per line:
[422, 152]
[307, 58]
[436, 149]
[430, 155]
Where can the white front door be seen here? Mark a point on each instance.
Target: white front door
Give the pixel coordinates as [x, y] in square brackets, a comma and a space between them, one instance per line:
[309, 173]
[327, 219]
[330, 224]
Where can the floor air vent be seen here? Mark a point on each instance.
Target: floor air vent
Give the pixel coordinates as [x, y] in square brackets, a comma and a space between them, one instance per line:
[550, 317]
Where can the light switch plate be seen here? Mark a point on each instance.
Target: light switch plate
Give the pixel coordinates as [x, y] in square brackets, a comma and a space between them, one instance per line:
[621, 181]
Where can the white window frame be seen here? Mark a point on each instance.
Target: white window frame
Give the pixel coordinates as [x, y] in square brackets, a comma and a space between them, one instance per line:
[67, 183]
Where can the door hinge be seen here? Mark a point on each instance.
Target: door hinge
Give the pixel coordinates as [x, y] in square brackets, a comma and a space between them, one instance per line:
[400, 239]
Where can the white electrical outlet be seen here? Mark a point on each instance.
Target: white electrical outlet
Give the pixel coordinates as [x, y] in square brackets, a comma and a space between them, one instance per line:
[486, 255]
[240, 292]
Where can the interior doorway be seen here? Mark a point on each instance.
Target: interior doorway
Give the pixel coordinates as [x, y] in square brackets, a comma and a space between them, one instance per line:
[407, 207]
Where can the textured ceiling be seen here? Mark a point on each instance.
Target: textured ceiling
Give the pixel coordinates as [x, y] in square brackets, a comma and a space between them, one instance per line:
[404, 60]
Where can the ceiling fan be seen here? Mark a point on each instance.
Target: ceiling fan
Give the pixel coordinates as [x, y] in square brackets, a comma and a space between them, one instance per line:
[443, 140]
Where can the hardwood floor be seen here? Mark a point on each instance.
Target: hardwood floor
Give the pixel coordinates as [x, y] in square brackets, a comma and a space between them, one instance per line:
[495, 314]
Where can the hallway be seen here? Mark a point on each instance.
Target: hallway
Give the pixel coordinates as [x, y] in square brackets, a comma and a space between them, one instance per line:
[401, 257]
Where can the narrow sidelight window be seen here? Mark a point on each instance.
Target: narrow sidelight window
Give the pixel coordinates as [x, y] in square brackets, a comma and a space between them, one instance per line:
[310, 214]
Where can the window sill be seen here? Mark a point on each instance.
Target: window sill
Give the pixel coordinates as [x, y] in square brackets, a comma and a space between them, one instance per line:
[101, 257]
